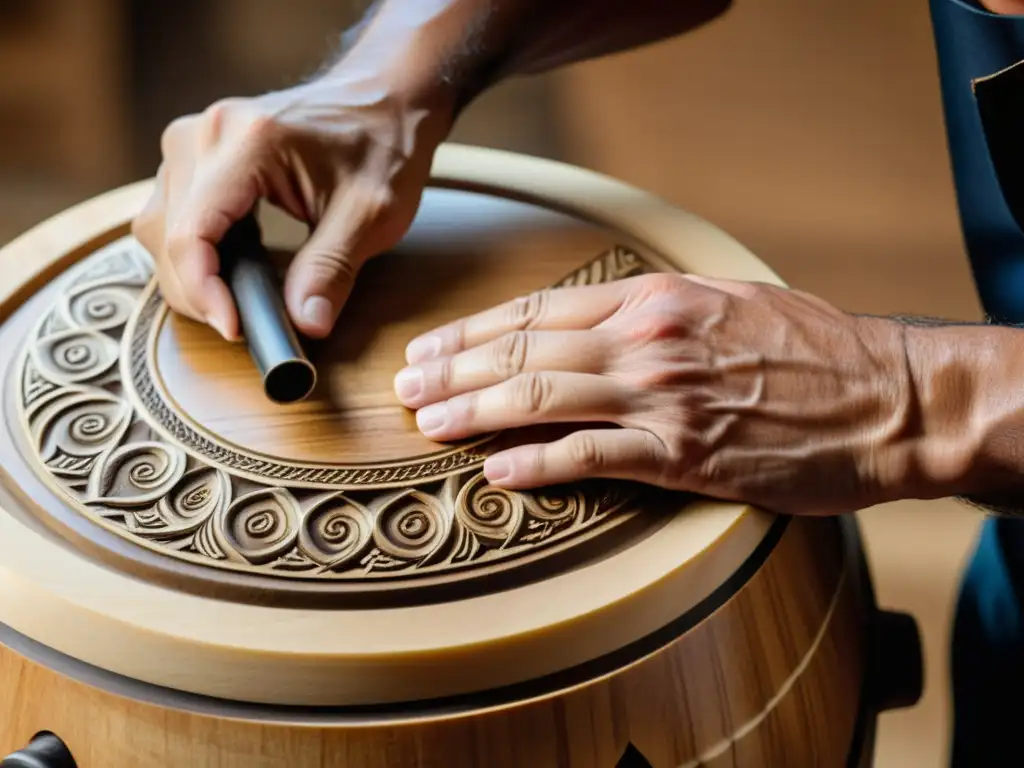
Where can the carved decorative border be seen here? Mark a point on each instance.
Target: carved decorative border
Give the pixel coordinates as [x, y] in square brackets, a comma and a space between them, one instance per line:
[120, 455]
[146, 388]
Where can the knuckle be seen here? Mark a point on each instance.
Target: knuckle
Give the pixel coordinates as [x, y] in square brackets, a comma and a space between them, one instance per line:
[344, 271]
[380, 200]
[142, 224]
[217, 116]
[712, 471]
[144, 235]
[456, 334]
[508, 354]
[753, 291]
[657, 326]
[170, 291]
[527, 311]
[585, 453]
[532, 393]
[445, 374]
[180, 235]
[658, 283]
[174, 132]
[260, 130]
[655, 378]
[332, 266]
[148, 223]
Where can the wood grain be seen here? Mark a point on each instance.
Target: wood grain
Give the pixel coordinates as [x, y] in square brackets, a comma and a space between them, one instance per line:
[354, 412]
[706, 634]
[770, 679]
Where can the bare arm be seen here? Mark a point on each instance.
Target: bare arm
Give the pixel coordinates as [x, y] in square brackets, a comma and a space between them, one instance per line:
[350, 151]
[454, 49]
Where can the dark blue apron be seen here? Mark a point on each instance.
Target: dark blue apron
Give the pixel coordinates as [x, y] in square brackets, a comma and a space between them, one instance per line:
[988, 637]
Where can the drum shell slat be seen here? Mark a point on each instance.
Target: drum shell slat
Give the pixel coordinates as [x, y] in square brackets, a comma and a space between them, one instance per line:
[649, 704]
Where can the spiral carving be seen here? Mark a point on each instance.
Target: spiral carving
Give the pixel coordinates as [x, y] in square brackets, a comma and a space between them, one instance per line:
[411, 525]
[87, 427]
[335, 531]
[259, 527]
[75, 356]
[555, 508]
[492, 514]
[194, 500]
[73, 429]
[117, 450]
[137, 474]
[99, 307]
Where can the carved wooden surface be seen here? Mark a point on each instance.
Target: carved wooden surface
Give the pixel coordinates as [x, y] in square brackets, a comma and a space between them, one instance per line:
[125, 539]
[717, 636]
[123, 454]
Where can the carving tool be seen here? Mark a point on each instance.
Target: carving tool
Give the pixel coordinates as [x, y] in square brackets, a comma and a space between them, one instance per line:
[288, 376]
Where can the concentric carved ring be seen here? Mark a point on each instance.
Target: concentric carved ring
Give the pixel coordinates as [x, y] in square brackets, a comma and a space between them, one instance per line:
[145, 386]
[105, 435]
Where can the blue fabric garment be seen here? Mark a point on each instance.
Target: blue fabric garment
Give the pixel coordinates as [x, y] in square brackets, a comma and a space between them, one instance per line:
[972, 43]
[988, 636]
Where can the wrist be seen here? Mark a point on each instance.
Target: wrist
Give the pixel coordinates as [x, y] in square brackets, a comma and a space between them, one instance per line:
[393, 73]
[419, 116]
[416, 53]
[970, 401]
[440, 54]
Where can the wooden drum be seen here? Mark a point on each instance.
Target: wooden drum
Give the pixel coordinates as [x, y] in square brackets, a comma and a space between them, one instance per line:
[192, 575]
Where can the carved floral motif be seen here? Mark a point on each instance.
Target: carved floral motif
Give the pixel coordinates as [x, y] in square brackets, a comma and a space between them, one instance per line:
[123, 457]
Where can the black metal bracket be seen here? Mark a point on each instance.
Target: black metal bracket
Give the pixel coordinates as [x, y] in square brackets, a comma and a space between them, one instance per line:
[895, 673]
[45, 750]
[632, 758]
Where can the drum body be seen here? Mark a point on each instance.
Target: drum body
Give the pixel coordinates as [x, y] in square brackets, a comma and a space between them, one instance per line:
[191, 575]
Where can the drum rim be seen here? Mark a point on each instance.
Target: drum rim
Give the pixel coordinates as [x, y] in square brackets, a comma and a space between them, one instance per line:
[529, 692]
[297, 657]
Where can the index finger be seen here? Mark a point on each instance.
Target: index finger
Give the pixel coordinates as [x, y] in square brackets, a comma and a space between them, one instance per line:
[550, 309]
[211, 207]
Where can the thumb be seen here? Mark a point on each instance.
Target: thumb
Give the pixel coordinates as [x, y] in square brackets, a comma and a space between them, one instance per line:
[324, 271]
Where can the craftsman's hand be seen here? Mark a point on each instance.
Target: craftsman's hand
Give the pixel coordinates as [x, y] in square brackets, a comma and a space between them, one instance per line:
[343, 155]
[734, 390]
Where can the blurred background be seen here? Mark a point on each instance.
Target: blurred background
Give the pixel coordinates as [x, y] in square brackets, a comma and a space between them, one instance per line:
[811, 130]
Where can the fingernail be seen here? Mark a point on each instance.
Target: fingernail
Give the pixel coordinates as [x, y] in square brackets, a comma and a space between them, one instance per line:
[432, 418]
[423, 348]
[409, 383]
[318, 312]
[218, 325]
[497, 468]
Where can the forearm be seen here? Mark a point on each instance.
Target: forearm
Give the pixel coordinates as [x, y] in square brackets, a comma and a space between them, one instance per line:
[969, 382]
[576, 30]
[448, 51]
